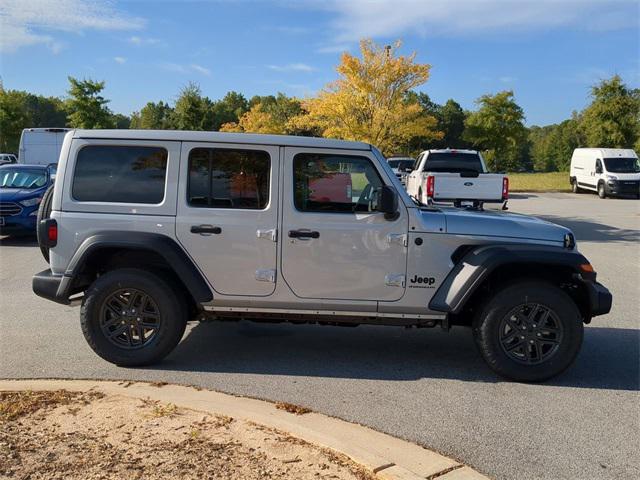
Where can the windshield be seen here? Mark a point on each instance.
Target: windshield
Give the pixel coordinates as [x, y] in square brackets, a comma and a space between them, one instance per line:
[453, 162]
[404, 163]
[622, 165]
[21, 178]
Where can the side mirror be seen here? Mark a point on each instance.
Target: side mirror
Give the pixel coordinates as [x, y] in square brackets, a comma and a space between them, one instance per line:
[387, 202]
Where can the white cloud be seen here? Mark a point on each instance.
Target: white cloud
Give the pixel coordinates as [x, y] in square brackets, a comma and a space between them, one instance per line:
[333, 49]
[357, 19]
[184, 69]
[120, 60]
[32, 22]
[200, 69]
[507, 79]
[292, 67]
[140, 41]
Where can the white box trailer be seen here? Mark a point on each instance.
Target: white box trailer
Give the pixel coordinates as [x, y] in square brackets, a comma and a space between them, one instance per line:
[41, 146]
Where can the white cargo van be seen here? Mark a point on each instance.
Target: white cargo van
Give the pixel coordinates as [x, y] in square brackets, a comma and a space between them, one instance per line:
[41, 146]
[608, 171]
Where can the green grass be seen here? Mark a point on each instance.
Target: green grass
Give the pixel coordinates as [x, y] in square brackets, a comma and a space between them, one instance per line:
[539, 182]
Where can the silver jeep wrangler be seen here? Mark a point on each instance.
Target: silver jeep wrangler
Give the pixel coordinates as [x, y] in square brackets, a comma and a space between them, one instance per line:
[148, 230]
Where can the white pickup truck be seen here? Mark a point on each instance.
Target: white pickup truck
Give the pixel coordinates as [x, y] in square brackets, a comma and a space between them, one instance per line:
[457, 176]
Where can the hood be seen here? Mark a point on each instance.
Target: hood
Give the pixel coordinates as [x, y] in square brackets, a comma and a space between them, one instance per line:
[17, 194]
[502, 224]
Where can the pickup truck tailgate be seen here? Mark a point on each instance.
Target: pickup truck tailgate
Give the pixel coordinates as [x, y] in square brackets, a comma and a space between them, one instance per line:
[485, 187]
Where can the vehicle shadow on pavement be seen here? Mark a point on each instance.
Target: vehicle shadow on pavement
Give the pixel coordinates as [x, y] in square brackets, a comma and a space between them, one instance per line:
[18, 241]
[588, 231]
[608, 360]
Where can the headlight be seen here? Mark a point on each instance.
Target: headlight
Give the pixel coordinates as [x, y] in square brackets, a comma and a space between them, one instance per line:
[569, 241]
[31, 202]
[611, 177]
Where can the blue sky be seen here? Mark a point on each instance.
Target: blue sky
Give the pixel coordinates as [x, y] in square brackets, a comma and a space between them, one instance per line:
[548, 52]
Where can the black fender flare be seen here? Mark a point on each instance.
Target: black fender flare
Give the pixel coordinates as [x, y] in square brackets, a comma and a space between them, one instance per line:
[479, 262]
[166, 247]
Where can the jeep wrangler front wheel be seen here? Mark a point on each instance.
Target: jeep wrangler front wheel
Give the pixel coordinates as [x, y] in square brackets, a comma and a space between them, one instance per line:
[530, 331]
[131, 317]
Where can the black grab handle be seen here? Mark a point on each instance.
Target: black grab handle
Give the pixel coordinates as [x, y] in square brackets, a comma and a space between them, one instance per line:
[303, 234]
[206, 229]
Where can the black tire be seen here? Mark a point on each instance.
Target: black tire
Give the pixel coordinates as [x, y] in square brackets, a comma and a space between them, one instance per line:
[574, 186]
[44, 212]
[601, 191]
[168, 307]
[491, 340]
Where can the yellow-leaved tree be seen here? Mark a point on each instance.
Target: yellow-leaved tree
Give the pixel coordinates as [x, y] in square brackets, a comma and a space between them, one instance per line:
[270, 114]
[369, 100]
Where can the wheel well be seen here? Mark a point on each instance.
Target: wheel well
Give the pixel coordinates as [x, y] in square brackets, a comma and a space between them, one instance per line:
[103, 260]
[558, 275]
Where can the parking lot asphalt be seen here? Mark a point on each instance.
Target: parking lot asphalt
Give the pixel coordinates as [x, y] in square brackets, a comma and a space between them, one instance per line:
[424, 385]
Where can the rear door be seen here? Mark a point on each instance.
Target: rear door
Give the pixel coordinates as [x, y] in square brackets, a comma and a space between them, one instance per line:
[227, 214]
[334, 244]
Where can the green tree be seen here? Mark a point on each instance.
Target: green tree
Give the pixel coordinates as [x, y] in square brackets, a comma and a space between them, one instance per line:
[498, 127]
[451, 124]
[613, 118]
[192, 111]
[121, 121]
[86, 107]
[13, 118]
[44, 111]
[272, 114]
[229, 109]
[153, 116]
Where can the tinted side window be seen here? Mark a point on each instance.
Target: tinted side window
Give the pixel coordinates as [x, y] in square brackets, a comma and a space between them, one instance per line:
[334, 183]
[123, 174]
[228, 178]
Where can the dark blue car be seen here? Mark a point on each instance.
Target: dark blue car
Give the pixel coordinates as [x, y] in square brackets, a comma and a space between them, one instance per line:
[21, 191]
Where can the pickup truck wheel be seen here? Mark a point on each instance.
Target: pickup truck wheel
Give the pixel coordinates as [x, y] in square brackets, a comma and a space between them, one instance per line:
[131, 317]
[529, 332]
[44, 212]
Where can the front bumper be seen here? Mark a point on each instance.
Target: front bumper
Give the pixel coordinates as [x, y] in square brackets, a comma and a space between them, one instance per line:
[600, 299]
[47, 284]
[622, 187]
[18, 224]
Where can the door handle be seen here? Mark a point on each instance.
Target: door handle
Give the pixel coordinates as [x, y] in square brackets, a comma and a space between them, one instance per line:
[303, 234]
[206, 229]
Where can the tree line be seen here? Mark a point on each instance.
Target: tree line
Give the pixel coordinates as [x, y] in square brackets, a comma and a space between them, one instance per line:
[374, 99]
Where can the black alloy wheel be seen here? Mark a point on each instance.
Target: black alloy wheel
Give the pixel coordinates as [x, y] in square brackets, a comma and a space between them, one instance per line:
[130, 318]
[530, 333]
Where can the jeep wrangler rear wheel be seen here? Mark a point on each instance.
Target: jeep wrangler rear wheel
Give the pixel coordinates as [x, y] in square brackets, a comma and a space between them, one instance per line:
[530, 331]
[131, 317]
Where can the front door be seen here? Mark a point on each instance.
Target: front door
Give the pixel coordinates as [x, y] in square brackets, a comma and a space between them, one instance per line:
[334, 244]
[227, 215]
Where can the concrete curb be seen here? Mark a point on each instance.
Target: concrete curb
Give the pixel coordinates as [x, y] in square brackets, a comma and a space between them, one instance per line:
[389, 457]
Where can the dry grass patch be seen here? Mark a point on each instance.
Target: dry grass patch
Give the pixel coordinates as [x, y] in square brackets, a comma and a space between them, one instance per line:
[291, 408]
[14, 405]
[90, 436]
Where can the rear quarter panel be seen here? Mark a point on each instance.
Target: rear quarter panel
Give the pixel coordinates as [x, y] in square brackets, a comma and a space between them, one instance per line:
[77, 220]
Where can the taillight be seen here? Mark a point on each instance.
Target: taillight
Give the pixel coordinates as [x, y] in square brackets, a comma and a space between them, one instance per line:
[505, 188]
[431, 185]
[48, 233]
[52, 233]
